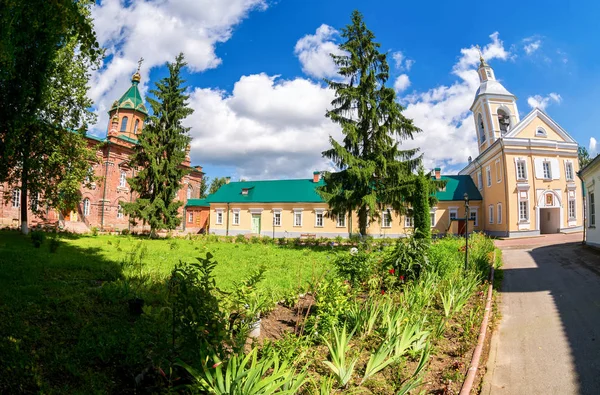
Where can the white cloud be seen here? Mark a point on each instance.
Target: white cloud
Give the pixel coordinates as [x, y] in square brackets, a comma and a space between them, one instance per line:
[266, 128]
[158, 31]
[532, 46]
[313, 51]
[401, 83]
[448, 136]
[401, 62]
[542, 102]
[593, 147]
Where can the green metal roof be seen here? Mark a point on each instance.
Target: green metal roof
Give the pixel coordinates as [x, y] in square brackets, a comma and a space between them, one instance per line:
[126, 138]
[456, 186]
[197, 203]
[272, 191]
[131, 100]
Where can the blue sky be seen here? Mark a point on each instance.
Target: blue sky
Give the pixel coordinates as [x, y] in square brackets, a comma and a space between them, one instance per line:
[256, 67]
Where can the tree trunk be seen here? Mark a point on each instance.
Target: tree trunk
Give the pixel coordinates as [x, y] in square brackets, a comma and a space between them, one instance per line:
[362, 220]
[25, 184]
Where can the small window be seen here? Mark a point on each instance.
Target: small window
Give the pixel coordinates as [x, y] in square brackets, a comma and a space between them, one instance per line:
[341, 220]
[503, 121]
[592, 209]
[480, 180]
[491, 214]
[190, 190]
[453, 214]
[236, 218]
[244, 191]
[488, 174]
[386, 220]
[540, 132]
[124, 124]
[35, 201]
[319, 219]
[277, 219]
[572, 212]
[523, 211]
[569, 170]
[473, 216]
[432, 219]
[86, 207]
[123, 179]
[16, 198]
[521, 170]
[191, 217]
[90, 174]
[120, 211]
[498, 171]
[136, 126]
[298, 218]
[499, 216]
[547, 170]
[409, 222]
[219, 218]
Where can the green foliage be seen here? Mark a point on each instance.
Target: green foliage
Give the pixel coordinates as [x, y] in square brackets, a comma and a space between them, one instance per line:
[125, 232]
[246, 375]
[94, 230]
[339, 365]
[203, 187]
[332, 302]
[54, 243]
[217, 183]
[355, 266]
[160, 152]
[37, 238]
[240, 239]
[374, 173]
[379, 360]
[420, 205]
[409, 257]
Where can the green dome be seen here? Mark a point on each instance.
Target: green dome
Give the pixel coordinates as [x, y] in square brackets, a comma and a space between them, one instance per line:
[131, 100]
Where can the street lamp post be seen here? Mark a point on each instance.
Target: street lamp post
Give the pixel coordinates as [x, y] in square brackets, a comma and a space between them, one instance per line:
[466, 230]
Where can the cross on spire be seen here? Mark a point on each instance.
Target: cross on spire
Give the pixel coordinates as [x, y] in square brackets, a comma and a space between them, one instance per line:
[481, 60]
[140, 64]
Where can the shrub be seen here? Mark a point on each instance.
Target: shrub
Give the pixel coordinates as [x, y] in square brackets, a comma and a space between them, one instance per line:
[240, 238]
[125, 232]
[94, 231]
[332, 302]
[254, 239]
[54, 243]
[37, 237]
[355, 266]
[408, 258]
[282, 241]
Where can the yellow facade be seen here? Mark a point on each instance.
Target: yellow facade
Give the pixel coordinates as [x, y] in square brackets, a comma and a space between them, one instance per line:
[532, 164]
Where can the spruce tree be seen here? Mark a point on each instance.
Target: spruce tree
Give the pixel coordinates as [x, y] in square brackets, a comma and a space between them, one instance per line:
[159, 154]
[420, 206]
[375, 173]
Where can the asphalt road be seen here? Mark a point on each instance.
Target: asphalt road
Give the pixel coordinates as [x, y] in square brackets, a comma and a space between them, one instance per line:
[548, 340]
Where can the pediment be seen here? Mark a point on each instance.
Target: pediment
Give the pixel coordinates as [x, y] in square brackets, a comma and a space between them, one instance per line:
[538, 125]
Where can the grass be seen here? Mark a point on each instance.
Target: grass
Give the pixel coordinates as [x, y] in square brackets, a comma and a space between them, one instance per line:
[60, 333]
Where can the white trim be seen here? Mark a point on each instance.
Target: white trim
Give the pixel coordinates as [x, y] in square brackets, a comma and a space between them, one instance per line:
[540, 132]
[219, 217]
[488, 176]
[536, 112]
[524, 161]
[499, 213]
[298, 212]
[256, 210]
[86, 207]
[409, 222]
[236, 214]
[452, 210]
[275, 210]
[275, 214]
[337, 221]
[474, 210]
[569, 163]
[297, 209]
[317, 213]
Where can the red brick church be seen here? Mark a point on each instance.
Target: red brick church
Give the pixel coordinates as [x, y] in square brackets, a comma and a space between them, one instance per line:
[100, 205]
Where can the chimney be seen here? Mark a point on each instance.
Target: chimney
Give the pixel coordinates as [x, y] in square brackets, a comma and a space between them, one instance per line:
[470, 159]
[316, 176]
[438, 173]
[227, 179]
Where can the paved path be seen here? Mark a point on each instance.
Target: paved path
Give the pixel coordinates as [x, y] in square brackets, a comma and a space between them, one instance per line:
[548, 341]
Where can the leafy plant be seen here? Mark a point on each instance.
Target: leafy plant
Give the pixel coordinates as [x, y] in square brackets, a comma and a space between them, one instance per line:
[354, 267]
[379, 360]
[409, 257]
[54, 243]
[339, 365]
[37, 238]
[94, 231]
[246, 375]
[332, 302]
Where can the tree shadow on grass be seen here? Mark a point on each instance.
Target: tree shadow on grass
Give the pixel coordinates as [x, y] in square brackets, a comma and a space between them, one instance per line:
[570, 273]
[65, 326]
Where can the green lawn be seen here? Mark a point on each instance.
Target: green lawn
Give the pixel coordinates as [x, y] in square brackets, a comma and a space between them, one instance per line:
[60, 333]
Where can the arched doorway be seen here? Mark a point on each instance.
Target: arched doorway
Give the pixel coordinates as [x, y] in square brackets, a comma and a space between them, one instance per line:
[549, 212]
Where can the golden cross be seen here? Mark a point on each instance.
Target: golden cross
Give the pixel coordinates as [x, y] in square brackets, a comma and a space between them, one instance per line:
[140, 64]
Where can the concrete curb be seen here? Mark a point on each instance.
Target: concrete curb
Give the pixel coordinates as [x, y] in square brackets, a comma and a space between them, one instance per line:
[467, 386]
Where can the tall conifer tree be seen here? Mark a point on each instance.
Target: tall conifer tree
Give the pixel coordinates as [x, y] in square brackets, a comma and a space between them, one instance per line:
[160, 152]
[374, 173]
[420, 205]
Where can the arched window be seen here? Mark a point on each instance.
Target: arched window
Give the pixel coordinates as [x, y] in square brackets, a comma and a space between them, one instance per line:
[136, 126]
[540, 131]
[504, 121]
[124, 124]
[189, 191]
[86, 207]
[480, 129]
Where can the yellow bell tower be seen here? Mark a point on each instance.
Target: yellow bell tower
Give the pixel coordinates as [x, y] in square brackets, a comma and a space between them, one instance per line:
[494, 107]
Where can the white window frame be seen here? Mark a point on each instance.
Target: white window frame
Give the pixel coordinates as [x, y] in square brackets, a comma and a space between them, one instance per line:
[572, 209]
[86, 207]
[498, 171]
[453, 211]
[499, 213]
[235, 218]
[432, 218]
[480, 180]
[526, 217]
[488, 176]
[16, 198]
[190, 190]
[476, 219]
[491, 213]
[540, 131]
[123, 179]
[298, 212]
[341, 220]
[569, 170]
[386, 218]
[35, 202]
[592, 208]
[276, 217]
[547, 165]
[119, 211]
[219, 217]
[321, 215]
[409, 222]
[524, 163]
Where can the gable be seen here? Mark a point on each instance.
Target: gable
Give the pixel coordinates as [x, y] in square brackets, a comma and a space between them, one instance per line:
[539, 120]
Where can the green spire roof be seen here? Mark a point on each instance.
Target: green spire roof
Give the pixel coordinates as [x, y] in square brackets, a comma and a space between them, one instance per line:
[132, 99]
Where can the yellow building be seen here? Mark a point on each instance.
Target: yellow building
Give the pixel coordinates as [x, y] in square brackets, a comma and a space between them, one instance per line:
[293, 208]
[526, 167]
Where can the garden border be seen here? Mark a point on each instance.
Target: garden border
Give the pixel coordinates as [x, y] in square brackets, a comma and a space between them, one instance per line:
[474, 365]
